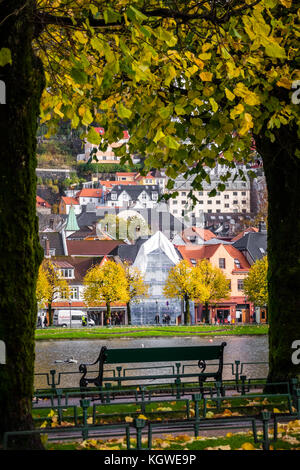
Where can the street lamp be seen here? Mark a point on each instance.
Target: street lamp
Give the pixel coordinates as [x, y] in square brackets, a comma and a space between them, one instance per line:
[70, 304]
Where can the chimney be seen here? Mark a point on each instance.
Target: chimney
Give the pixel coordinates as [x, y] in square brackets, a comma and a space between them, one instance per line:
[47, 247]
[262, 227]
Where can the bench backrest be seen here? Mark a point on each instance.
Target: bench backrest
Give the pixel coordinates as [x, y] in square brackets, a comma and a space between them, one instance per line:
[115, 356]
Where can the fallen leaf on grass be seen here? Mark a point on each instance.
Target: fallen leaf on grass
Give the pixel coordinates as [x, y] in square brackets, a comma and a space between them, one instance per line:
[247, 446]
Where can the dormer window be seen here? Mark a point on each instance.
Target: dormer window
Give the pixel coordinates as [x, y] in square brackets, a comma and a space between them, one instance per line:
[66, 273]
[237, 263]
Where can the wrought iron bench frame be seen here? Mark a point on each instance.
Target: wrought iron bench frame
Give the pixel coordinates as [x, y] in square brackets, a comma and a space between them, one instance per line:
[164, 354]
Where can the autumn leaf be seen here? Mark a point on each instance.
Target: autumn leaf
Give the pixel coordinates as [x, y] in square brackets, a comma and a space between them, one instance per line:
[206, 76]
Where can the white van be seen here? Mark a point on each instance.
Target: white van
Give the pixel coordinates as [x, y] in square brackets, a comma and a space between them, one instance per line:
[73, 319]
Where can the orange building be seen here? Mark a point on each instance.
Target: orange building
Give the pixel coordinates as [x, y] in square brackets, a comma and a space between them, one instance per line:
[236, 309]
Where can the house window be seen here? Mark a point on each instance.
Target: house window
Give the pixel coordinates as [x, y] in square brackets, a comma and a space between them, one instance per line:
[234, 193]
[174, 203]
[63, 294]
[209, 211]
[243, 193]
[74, 293]
[226, 196]
[240, 284]
[237, 263]
[200, 202]
[235, 202]
[222, 263]
[209, 202]
[226, 205]
[193, 261]
[244, 202]
[218, 202]
[154, 196]
[114, 196]
[144, 196]
[67, 273]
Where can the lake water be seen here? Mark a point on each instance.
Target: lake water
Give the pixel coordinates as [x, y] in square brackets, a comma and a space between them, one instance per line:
[246, 349]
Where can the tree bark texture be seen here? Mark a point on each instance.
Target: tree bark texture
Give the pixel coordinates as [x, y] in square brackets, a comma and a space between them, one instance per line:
[282, 171]
[20, 251]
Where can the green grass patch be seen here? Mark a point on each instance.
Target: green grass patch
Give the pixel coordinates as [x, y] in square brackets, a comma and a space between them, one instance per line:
[148, 331]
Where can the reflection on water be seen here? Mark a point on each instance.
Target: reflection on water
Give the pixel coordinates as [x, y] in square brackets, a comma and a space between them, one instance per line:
[243, 348]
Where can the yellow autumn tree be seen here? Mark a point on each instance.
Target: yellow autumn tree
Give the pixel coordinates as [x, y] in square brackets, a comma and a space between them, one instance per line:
[183, 283]
[215, 284]
[51, 285]
[256, 283]
[42, 287]
[137, 288]
[106, 283]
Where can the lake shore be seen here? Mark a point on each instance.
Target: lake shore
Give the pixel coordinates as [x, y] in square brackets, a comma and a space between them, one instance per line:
[54, 333]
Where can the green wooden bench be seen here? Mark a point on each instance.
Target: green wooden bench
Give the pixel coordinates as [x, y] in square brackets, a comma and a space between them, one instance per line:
[201, 354]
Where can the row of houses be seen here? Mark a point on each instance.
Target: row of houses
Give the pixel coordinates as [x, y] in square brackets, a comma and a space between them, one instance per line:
[76, 242]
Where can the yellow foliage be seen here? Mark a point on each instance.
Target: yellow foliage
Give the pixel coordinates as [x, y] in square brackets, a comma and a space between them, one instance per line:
[248, 446]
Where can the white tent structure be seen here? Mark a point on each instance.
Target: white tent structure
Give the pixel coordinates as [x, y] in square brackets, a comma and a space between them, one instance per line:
[155, 258]
[157, 242]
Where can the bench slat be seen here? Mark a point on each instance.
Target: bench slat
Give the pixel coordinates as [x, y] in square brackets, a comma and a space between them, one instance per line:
[116, 356]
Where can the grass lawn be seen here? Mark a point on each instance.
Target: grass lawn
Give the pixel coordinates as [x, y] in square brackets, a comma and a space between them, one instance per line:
[148, 331]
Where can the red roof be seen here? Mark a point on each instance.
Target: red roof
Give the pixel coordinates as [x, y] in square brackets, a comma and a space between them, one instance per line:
[203, 233]
[40, 202]
[70, 200]
[92, 247]
[241, 234]
[90, 192]
[101, 131]
[189, 252]
[236, 254]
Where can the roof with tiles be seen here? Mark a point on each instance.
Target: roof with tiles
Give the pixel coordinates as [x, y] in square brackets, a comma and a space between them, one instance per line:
[70, 200]
[196, 253]
[92, 247]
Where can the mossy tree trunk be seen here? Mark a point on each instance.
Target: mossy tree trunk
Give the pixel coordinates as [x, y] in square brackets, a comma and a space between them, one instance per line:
[282, 171]
[20, 251]
[128, 313]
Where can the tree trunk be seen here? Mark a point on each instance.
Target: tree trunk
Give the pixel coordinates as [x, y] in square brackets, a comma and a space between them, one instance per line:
[206, 312]
[187, 316]
[128, 313]
[282, 171]
[107, 313]
[20, 251]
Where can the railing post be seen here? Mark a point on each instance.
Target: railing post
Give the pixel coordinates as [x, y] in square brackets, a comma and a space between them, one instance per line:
[107, 389]
[218, 387]
[139, 425]
[119, 368]
[266, 415]
[296, 400]
[84, 403]
[178, 381]
[236, 373]
[59, 411]
[53, 385]
[196, 398]
[143, 406]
